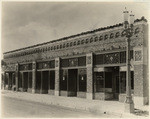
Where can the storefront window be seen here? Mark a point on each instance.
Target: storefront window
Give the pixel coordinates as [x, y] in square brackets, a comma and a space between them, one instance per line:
[82, 61]
[13, 78]
[10, 80]
[6, 79]
[98, 59]
[64, 62]
[111, 58]
[108, 81]
[38, 80]
[63, 80]
[20, 80]
[123, 81]
[52, 64]
[98, 81]
[82, 80]
[30, 79]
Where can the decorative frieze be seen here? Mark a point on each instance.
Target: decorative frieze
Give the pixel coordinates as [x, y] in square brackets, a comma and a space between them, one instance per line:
[67, 44]
[24, 67]
[10, 68]
[138, 55]
[46, 65]
[111, 58]
[73, 62]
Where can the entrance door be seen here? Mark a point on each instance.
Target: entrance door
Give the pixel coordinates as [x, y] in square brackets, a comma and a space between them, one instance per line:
[20, 80]
[52, 80]
[116, 82]
[25, 81]
[117, 87]
[72, 82]
[10, 81]
[112, 81]
[38, 81]
[45, 77]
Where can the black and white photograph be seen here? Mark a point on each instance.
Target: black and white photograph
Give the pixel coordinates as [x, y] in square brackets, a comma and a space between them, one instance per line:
[75, 59]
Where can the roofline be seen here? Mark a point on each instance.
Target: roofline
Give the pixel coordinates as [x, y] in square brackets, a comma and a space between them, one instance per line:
[73, 36]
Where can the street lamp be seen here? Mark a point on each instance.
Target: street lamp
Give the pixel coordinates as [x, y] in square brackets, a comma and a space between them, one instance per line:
[128, 28]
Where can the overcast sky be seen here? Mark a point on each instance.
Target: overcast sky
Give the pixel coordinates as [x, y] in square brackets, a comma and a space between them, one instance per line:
[29, 23]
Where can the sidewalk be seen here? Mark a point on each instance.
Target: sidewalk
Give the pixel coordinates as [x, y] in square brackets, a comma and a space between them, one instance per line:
[93, 106]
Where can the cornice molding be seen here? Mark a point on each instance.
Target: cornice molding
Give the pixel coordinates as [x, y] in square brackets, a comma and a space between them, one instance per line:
[99, 30]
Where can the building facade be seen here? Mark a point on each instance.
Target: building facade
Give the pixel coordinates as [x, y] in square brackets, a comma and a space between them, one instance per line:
[89, 65]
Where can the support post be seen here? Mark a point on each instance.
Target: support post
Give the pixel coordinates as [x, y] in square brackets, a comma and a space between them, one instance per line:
[89, 66]
[12, 81]
[57, 76]
[41, 90]
[16, 76]
[33, 77]
[22, 81]
[8, 82]
[4, 80]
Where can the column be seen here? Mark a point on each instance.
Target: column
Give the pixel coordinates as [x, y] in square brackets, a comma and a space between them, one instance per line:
[41, 90]
[16, 76]
[140, 78]
[89, 66]
[57, 76]
[22, 81]
[12, 81]
[33, 77]
[8, 81]
[3, 80]
[28, 83]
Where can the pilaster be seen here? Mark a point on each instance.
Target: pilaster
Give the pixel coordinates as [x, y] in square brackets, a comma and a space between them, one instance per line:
[3, 76]
[57, 76]
[89, 66]
[8, 81]
[16, 76]
[33, 76]
[140, 78]
[22, 81]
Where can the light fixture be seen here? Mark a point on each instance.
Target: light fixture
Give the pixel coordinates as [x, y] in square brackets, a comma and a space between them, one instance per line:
[63, 78]
[128, 29]
[82, 78]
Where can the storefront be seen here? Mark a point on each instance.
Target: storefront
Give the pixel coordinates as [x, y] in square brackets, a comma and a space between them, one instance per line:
[90, 65]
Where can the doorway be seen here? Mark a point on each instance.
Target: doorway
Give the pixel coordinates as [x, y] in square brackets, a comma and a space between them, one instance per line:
[38, 81]
[45, 77]
[25, 81]
[112, 81]
[72, 82]
[52, 80]
[116, 82]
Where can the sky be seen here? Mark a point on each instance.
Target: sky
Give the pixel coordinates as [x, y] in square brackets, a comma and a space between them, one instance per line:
[29, 23]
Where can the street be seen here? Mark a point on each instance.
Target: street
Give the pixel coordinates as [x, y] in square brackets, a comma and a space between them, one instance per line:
[12, 107]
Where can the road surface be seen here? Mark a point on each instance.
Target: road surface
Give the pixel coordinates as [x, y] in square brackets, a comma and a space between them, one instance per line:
[19, 108]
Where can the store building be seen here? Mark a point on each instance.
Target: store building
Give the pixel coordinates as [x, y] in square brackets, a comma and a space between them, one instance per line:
[89, 65]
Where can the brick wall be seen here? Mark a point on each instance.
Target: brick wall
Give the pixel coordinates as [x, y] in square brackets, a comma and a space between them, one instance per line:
[98, 44]
[57, 76]
[89, 79]
[138, 80]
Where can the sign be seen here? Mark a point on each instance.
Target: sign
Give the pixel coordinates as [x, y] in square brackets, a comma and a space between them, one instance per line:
[98, 69]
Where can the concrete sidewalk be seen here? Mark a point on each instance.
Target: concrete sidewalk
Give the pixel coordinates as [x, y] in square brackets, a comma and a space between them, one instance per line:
[93, 106]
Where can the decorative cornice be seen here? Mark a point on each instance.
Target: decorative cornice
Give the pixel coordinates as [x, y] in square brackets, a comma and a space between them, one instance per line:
[73, 36]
